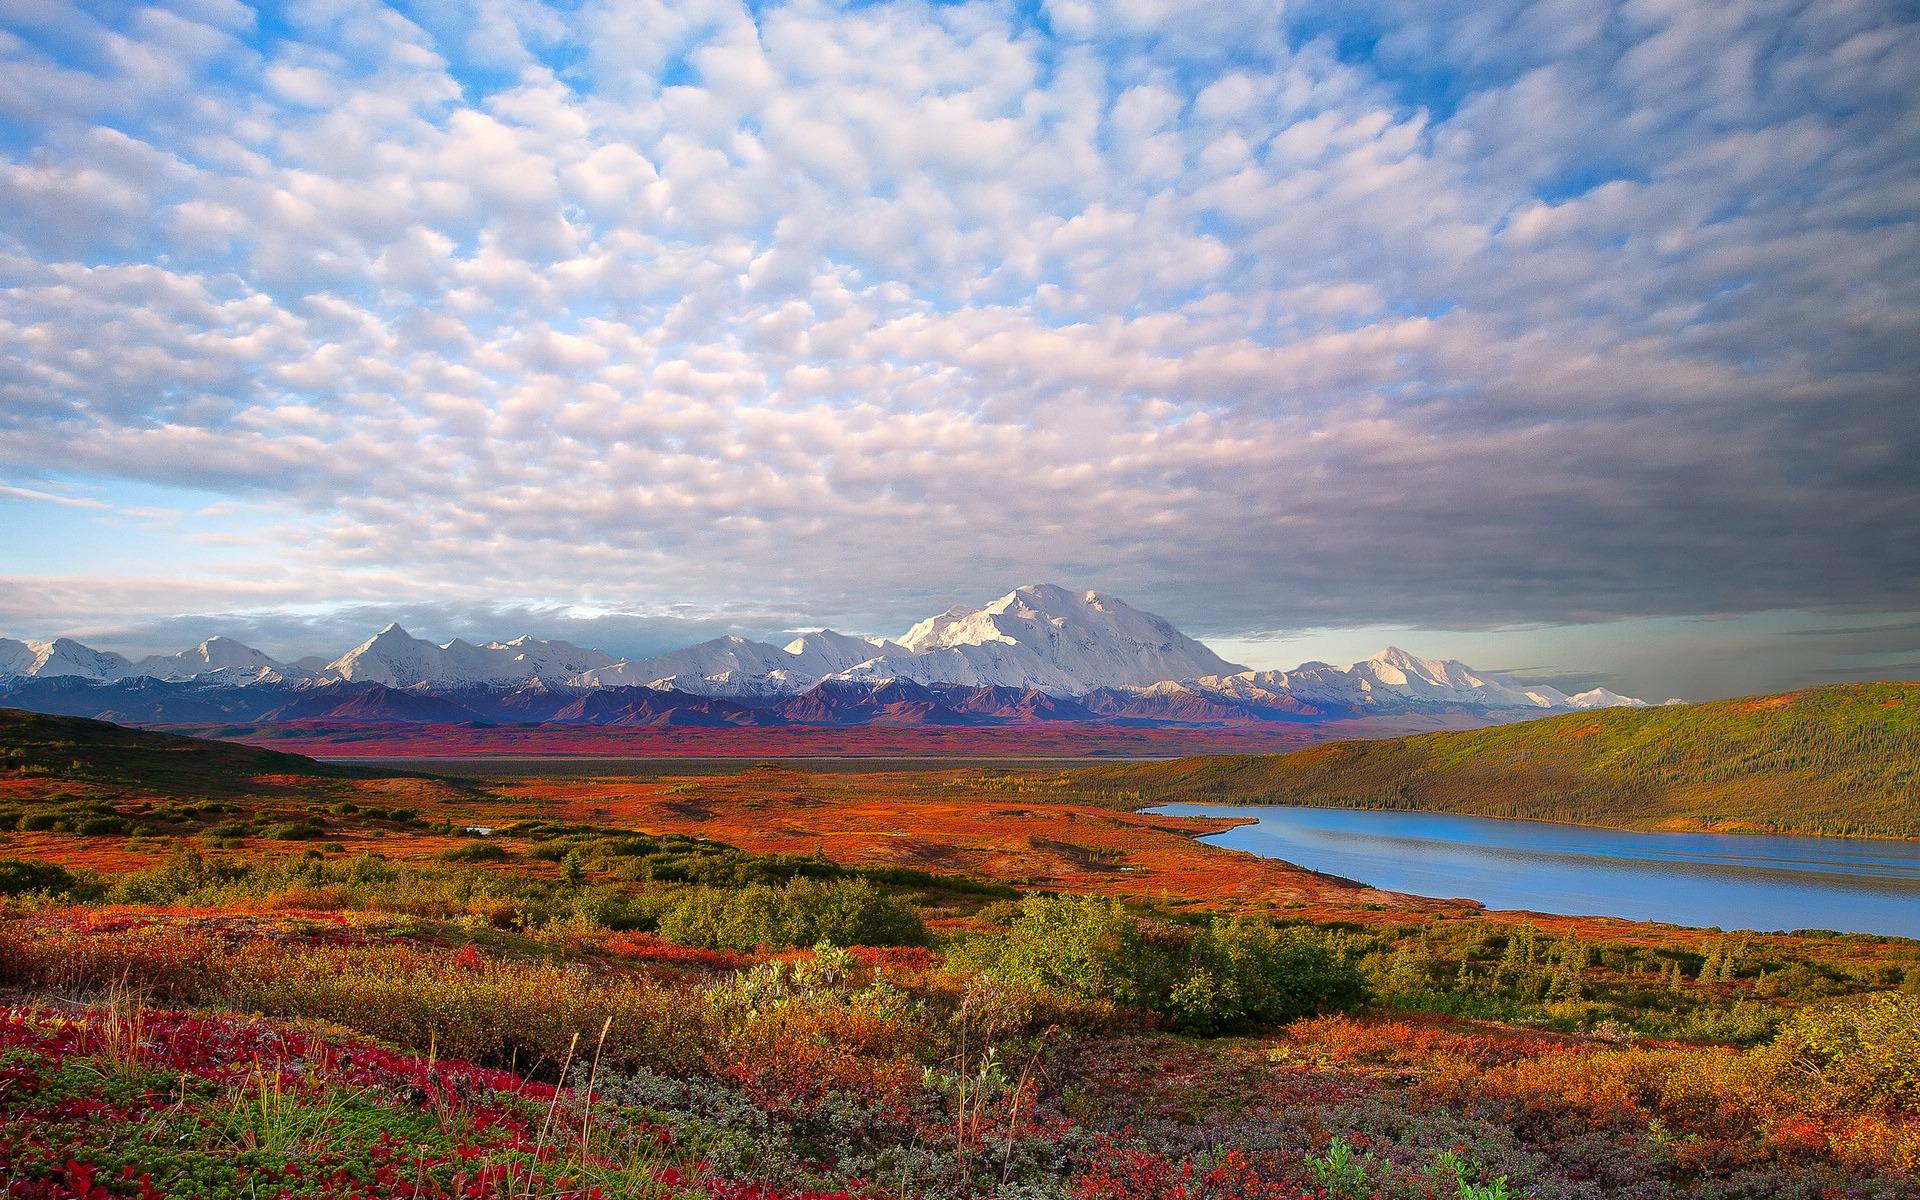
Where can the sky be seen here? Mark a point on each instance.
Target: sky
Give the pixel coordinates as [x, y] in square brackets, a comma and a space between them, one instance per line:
[1580, 339]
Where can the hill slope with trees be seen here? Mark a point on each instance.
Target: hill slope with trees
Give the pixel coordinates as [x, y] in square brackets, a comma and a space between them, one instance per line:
[1840, 760]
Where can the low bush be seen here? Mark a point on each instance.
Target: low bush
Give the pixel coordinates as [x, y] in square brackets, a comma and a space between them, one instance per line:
[21, 877]
[845, 912]
[1242, 973]
[292, 831]
[1861, 1053]
[476, 852]
[1234, 974]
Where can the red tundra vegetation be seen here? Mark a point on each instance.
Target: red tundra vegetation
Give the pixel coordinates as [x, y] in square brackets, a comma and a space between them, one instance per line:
[766, 983]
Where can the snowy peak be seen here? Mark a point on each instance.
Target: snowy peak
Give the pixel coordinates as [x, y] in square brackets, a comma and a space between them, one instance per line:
[398, 659]
[931, 634]
[219, 659]
[827, 651]
[735, 667]
[1607, 698]
[17, 657]
[1047, 638]
[1397, 681]
[64, 656]
[1041, 637]
[393, 657]
[61, 656]
[552, 659]
[732, 656]
[1038, 639]
[231, 659]
[1395, 665]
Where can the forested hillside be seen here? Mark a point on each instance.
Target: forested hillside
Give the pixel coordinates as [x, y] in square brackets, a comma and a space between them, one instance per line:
[1843, 759]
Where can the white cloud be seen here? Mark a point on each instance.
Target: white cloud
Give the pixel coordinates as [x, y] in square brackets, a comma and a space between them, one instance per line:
[1540, 312]
[34, 494]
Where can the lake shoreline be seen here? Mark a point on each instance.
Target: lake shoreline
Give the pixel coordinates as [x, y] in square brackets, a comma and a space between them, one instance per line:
[1689, 879]
[1149, 806]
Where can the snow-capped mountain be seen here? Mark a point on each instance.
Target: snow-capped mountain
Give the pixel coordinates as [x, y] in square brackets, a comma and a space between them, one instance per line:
[1040, 637]
[17, 658]
[1036, 641]
[1391, 681]
[734, 666]
[1045, 637]
[393, 657]
[218, 659]
[1607, 698]
[398, 659]
[62, 656]
[232, 660]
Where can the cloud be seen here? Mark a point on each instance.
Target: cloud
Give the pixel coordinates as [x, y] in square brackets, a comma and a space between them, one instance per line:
[1893, 670]
[1882, 638]
[1534, 312]
[33, 494]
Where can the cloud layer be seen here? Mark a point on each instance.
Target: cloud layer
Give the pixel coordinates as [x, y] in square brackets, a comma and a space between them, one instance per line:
[1550, 311]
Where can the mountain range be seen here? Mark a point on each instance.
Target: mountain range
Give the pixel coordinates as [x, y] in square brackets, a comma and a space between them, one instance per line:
[1038, 653]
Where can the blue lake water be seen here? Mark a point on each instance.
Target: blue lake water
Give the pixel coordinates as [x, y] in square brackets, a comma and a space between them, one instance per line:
[1734, 881]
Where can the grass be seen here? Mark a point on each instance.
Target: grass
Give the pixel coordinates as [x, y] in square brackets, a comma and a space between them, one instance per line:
[810, 1071]
[270, 1116]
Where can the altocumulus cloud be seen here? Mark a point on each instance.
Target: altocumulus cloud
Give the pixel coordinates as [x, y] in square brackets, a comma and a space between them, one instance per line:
[1338, 313]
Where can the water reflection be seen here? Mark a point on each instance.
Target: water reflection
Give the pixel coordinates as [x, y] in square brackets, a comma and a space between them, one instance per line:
[1859, 885]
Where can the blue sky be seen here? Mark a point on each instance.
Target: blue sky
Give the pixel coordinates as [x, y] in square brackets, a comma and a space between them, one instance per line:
[1563, 335]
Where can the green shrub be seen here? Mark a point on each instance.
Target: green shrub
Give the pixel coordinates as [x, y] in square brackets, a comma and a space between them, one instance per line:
[476, 852]
[1082, 944]
[1864, 1051]
[1243, 972]
[18, 877]
[185, 874]
[1234, 974]
[292, 831]
[847, 912]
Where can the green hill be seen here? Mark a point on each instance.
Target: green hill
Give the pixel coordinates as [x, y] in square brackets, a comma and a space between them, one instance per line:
[1828, 760]
[76, 750]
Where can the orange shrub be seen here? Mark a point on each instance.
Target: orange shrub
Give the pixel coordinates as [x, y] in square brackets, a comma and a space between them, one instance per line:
[487, 1010]
[169, 964]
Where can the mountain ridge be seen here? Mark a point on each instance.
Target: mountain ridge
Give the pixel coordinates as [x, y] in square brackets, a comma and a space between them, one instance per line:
[1038, 639]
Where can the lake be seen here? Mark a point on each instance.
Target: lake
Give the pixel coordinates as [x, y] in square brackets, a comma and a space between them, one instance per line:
[1734, 881]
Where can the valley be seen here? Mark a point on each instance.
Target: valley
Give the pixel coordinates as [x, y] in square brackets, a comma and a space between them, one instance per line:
[421, 964]
[970, 938]
[402, 739]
